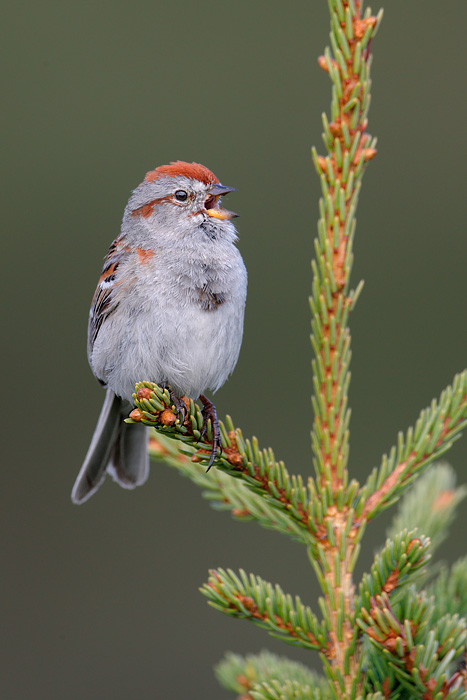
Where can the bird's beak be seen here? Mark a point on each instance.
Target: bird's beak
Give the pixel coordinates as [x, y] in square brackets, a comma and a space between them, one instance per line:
[221, 213]
[221, 189]
[212, 202]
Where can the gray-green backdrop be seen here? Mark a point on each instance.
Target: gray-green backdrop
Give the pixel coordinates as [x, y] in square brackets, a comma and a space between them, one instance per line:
[101, 601]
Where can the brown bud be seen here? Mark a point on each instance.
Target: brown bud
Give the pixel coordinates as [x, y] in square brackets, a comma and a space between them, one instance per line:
[167, 417]
[233, 456]
[322, 63]
[322, 162]
[369, 153]
[391, 581]
[248, 603]
[412, 544]
[144, 393]
[335, 128]
[361, 25]
[136, 415]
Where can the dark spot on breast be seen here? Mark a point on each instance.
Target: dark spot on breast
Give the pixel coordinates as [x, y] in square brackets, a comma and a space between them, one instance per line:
[210, 229]
[209, 300]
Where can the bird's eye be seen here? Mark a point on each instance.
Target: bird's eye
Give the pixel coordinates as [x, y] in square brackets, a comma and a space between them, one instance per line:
[181, 195]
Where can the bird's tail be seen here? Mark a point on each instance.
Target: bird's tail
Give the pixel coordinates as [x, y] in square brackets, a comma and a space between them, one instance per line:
[116, 448]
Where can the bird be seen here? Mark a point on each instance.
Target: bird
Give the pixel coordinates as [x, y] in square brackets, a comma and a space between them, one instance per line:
[168, 308]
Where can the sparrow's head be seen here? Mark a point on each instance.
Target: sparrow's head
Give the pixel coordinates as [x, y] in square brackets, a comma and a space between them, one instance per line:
[181, 198]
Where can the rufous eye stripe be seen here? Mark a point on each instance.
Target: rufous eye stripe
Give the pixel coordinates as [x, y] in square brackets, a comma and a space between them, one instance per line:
[147, 209]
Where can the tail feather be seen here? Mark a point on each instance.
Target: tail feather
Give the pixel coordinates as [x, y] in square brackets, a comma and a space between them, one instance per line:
[117, 448]
[129, 461]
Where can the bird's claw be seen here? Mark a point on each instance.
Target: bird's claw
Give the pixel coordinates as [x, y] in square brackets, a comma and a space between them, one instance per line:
[209, 412]
[179, 405]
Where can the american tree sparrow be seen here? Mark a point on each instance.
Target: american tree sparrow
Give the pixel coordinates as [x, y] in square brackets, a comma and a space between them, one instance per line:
[168, 308]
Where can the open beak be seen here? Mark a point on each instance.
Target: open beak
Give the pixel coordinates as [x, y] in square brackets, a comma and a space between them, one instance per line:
[212, 203]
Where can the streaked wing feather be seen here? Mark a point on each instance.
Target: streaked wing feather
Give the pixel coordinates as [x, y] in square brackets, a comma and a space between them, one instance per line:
[104, 302]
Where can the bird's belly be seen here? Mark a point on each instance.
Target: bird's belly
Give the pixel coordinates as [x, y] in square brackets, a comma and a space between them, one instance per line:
[190, 348]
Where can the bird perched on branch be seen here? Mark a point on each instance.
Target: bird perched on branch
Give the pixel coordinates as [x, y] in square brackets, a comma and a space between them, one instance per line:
[168, 308]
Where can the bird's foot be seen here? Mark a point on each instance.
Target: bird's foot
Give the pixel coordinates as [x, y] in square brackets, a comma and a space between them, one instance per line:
[209, 412]
[180, 407]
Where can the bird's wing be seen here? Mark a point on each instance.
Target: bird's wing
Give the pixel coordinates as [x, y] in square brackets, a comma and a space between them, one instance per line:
[105, 301]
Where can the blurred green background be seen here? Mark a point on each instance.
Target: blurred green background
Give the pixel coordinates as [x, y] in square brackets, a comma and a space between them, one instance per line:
[101, 601]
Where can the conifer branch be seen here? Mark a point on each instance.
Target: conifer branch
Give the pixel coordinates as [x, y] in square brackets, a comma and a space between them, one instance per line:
[223, 492]
[418, 656]
[397, 565]
[262, 475]
[252, 598]
[349, 150]
[254, 673]
[435, 431]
